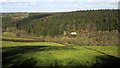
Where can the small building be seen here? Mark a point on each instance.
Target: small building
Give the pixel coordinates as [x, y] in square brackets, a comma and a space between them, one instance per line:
[73, 33]
[22, 17]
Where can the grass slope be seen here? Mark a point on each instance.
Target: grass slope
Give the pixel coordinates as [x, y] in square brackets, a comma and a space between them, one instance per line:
[12, 44]
[37, 54]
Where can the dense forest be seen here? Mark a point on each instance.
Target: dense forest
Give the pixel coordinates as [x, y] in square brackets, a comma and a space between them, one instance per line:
[55, 24]
[87, 23]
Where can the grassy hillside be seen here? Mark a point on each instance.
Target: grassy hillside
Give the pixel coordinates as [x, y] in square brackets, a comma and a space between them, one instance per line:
[37, 54]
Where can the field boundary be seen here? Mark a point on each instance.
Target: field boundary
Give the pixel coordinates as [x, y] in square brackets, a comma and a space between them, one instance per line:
[17, 40]
[100, 52]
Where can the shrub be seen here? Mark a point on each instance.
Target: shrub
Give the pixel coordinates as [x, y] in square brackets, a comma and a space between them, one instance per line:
[9, 34]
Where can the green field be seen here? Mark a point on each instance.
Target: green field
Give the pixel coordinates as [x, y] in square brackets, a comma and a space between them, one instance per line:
[37, 54]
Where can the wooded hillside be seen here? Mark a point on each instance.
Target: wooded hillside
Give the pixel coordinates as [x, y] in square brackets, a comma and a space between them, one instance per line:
[95, 26]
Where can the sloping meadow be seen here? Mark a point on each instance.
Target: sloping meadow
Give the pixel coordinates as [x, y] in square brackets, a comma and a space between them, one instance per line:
[42, 54]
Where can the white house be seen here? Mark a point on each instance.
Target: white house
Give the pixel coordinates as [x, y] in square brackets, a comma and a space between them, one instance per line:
[73, 33]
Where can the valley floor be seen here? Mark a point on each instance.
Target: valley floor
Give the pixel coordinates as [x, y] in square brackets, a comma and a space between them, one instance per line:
[39, 54]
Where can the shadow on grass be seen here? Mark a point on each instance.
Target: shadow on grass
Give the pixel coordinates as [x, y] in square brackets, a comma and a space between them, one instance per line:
[28, 63]
[9, 51]
[13, 53]
[107, 61]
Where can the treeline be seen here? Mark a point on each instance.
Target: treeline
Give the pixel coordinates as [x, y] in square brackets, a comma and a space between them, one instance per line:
[56, 24]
